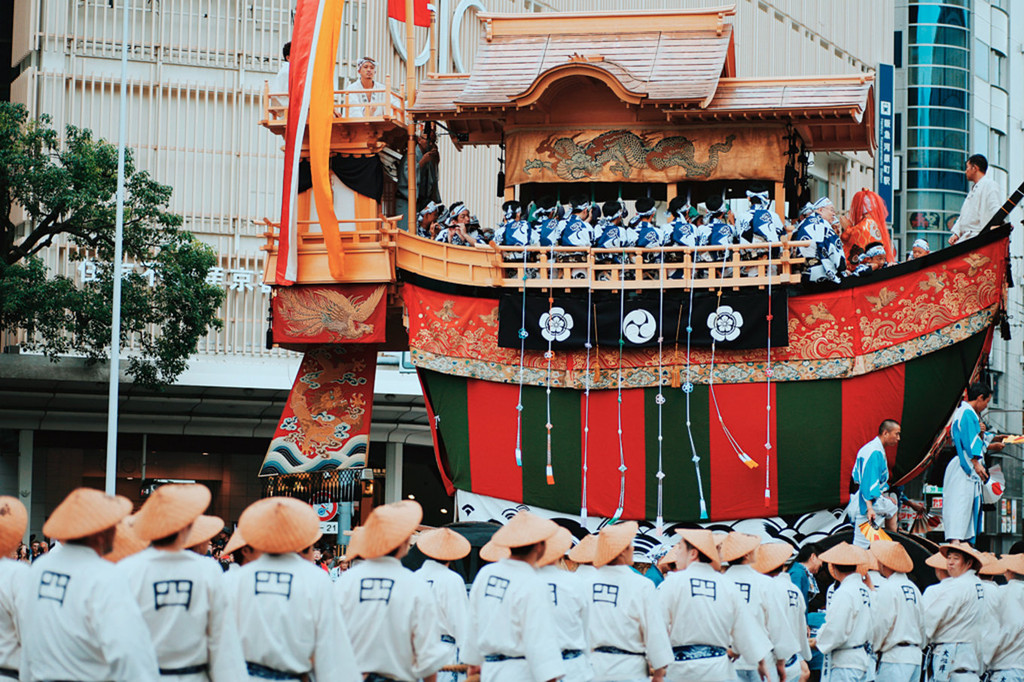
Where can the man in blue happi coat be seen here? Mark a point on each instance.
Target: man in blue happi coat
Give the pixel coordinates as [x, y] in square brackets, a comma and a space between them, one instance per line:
[868, 503]
[825, 257]
[965, 473]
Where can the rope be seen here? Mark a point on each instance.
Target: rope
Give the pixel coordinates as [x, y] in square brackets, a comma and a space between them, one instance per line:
[522, 359]
[687, 390]
[549, 355]
[659, 523]
[622, 455]
[768, 407]
[587, 380]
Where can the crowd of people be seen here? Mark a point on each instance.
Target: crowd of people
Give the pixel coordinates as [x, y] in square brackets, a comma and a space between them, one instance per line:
[717, 606]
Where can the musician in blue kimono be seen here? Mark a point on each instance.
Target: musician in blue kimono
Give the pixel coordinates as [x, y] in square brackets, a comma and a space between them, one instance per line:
[868, 502]
[965, 473]
[426, 223]
[872, 259]
[680, 231]
[577, 231]
[825, 258]
[456, 230]
[515, 231]
[760, 225]
[611, 233]
[715, 231]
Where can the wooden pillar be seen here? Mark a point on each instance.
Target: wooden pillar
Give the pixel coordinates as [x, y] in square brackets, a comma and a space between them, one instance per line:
[780, 201]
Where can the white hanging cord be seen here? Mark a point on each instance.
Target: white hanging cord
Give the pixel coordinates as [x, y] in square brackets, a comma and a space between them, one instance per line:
[659, 522]
[522, 359]
[768, 387]
[587, 380]
[687, 390]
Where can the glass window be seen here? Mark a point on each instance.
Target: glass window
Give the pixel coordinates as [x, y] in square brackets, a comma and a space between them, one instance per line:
[998, 70]
[938, 14]
[938, 35]
[936, 137]
[937, 179]
[926, 200]
[940, 76]
[926, 117]
[936, 158]
[940, 56]
[997, 148]
[936, 97]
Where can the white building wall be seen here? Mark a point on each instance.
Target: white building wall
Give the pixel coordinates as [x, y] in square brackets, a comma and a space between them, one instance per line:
[197, 68]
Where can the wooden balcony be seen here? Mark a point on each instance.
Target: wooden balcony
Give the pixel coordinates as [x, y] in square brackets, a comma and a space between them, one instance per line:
[357, 127]
[368, 245]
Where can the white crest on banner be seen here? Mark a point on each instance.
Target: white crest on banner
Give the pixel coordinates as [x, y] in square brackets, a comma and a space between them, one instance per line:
[725, 323]
[556, 324]
[639, 326]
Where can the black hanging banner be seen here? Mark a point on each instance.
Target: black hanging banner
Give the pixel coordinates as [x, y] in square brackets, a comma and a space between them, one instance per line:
[734, 320]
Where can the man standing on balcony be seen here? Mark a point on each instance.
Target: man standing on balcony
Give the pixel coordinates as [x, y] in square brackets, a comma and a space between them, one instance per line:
[364, 90]
[981, 203]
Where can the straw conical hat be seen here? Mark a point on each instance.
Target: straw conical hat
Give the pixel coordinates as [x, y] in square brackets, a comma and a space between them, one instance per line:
[235, 543]
[206, 528]
[388, 527]
[583, 552]
[13, 522]
[872, 564]
[555, 547]
[703, 541]
[1013, 563]
[352, 550]
[170, 508]
[937, 560]
[614, 540]
[492, 552]
[278, 525]
[443, 544]
[524, 529]
[85, 512]
[892, 555]
[965, 549]
[668, 558]
[771, 555]
[992, 565]
[738, 545]
[845, 554]
[126, 540]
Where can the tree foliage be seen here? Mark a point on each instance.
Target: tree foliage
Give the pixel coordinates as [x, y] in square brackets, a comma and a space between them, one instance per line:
[69, 191]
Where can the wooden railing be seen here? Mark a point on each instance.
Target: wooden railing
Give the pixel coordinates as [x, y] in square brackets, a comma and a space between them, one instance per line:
[385, 105]
[379, 247]
[675, 267]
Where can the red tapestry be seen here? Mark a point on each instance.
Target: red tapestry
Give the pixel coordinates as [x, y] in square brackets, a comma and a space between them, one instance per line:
[326, 422]
[330, 313]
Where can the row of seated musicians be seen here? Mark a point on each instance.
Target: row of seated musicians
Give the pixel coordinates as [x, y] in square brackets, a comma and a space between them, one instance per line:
[584, 224]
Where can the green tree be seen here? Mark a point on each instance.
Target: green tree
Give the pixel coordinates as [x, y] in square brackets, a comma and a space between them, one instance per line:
[70, 191]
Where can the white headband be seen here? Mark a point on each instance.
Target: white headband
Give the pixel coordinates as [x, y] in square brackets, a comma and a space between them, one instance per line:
[876, 250]
[922, 244]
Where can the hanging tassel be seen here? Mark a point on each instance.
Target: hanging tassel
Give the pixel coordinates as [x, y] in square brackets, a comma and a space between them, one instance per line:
[583, 516]
[659, 526]
[519, 457]
[745, 458]
[703, 510]
[615, 519]
[550, 474]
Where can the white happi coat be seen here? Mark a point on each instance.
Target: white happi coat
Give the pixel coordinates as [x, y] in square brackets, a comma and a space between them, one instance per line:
[765, 605]
[624, 614]
[452, 603]
[1004, 653]
[794, 609]
[848, 626]
[183, 601]
[961, 485]
[11, 574]
[703, 607]
[511, 615]
[289, 621]
[955, 615]
[569, 597]
[79, 622]
[899, 620]
[392, 618]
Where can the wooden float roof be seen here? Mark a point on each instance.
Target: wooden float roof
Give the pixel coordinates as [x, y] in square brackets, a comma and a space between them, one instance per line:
[679, 62]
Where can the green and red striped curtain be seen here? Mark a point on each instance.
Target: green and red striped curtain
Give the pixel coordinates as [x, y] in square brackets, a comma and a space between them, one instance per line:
[816, 429]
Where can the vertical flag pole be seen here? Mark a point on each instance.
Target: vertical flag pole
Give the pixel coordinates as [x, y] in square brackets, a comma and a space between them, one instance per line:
[110, 479]
[433, 37]
[410, 99]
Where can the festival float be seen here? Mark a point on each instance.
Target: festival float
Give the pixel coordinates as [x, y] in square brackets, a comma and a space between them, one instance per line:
[717, 388]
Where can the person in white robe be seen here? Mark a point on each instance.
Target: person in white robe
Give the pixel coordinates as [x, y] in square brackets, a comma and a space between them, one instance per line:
[364, 90]
[571, 608]
[956, 618]
[898, 614]
[390, 611]
[180, 593]
[13, 523]
[706, 615]
[965, 473]
[1005, 653]
[771, 559]
[442, 546]
[582, 554]
[288, 621]
[847, 634]
[76, 618]
[627, 628]
[512, 636]
[869, 504]
[738, 550]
